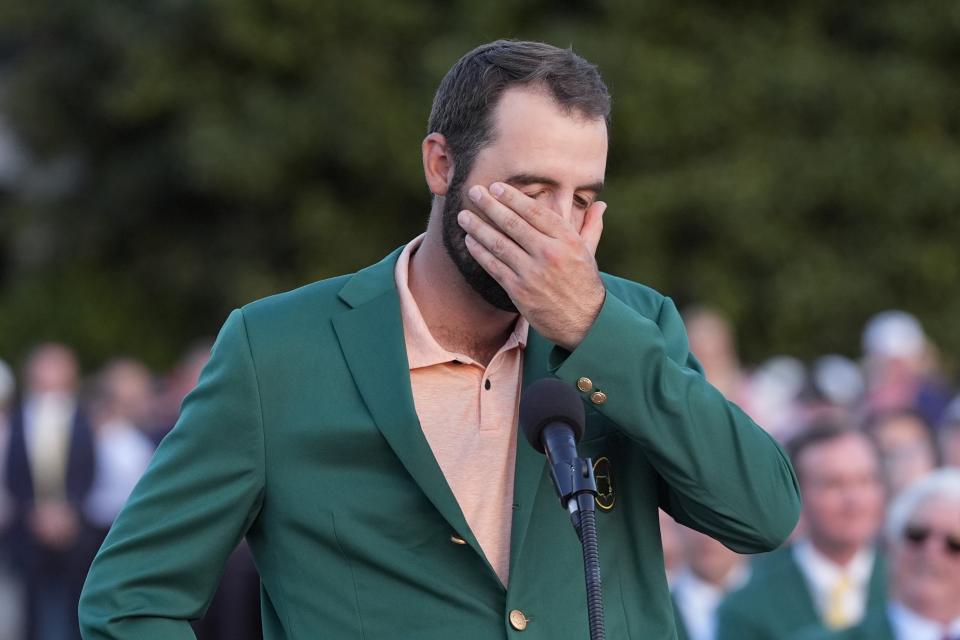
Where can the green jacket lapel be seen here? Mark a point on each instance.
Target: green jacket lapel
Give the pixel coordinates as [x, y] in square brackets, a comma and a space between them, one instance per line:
[371, 337]
[796, 603]
[877, 589]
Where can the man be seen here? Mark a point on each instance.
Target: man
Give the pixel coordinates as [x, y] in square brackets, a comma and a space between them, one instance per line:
[907, 446]
[361, 432]
[710, 573]
[833, 574]
[923, 538]
[11, 606]
[50, 469]
[119, 406]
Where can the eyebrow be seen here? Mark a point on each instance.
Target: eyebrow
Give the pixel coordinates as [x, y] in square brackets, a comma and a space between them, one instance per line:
[524, 179]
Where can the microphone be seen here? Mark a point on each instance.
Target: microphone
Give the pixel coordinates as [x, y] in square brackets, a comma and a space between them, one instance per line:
[552, 419]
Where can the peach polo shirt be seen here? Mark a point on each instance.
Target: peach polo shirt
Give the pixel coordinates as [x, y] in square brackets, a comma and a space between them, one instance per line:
[468, 413]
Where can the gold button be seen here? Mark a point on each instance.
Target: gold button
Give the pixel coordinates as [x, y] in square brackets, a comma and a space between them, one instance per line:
[598, 397]
[455, 539]
[585, 384]
[517, 620]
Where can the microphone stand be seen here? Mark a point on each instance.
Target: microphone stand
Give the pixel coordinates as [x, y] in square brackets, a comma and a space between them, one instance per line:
[578, 488]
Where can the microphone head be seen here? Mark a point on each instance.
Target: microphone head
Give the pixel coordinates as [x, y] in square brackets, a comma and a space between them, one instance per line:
[548, 401]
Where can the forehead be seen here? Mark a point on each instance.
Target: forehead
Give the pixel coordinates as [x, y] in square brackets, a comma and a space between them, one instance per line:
[533, 134]
[849, 453]
[938, 511]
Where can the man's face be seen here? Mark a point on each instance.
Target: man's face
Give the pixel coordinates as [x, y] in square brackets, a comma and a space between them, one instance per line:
[556, 157]
[842, 492]
[907, 450]
[926, 573]
[707, 558]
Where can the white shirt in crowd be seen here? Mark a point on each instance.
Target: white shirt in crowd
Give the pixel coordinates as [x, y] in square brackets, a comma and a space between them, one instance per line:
[822, 576]
[48, 429]
[908, 625]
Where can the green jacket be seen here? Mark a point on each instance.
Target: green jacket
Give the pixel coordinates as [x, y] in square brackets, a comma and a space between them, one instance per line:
[302, 436]
[776, 602]
[874, 626]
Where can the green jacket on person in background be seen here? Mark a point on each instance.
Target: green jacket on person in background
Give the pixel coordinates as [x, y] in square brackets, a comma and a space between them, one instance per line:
[874, 626]
[776, 602]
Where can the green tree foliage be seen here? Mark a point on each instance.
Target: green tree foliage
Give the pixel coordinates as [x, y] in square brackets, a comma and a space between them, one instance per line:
[796, 164]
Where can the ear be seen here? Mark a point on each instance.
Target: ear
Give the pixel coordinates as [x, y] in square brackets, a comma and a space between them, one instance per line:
[437, 163]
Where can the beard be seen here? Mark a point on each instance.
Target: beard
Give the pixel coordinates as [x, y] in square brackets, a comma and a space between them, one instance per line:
[455, 244]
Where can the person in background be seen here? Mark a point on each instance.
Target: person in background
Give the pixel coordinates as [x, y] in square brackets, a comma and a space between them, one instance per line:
[7, 387]
[833, 573]
[120, 405]
[923, 539]
[174, 388]
[10, 593]
[902, 367]
[907, 447]
[50, 467]
[714, 345]
[776, 390]
[834, 390]
[711, 572]
[948, 435]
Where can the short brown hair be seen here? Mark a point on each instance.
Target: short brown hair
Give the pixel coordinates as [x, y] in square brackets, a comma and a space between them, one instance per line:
[464, 103]
[820, 431]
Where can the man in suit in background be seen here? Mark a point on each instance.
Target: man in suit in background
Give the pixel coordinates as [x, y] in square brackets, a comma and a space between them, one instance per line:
[711, 571]
[10, 591]
[50, 470]
[361, 432]
[833, 573]
[923, 539]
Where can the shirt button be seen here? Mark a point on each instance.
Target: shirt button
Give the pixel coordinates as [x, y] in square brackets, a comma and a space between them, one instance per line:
[455, 539]
[517, 620]
[585, 384]
[598, 397]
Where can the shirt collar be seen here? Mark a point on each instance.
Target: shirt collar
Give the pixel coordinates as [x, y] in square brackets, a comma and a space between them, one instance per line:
[689, 583]
[907, 623]
[823, 573]
[422, 348]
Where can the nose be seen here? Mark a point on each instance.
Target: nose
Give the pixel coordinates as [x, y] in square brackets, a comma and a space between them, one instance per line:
[562, 202]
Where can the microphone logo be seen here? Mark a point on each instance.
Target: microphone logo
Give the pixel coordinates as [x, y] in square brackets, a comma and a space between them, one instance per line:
[603, 472]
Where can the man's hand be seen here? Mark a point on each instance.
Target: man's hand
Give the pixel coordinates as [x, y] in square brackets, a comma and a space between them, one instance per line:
[543, 263]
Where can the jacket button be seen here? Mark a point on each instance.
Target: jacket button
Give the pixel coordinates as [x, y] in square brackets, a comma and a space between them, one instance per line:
[585, 384]
[598, 397]
[455, 539]
[517, 620]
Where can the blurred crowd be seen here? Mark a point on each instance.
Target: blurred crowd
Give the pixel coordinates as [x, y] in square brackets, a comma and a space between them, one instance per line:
[875, 442]
[876, 447]
[71, 451]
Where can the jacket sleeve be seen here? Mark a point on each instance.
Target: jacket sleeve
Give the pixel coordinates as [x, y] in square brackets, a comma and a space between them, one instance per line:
[722, 474]
[161, 562]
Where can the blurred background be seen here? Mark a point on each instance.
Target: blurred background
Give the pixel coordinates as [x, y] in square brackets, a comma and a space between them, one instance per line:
[789, 172]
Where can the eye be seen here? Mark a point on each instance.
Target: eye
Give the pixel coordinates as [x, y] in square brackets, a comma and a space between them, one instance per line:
[581, 202]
